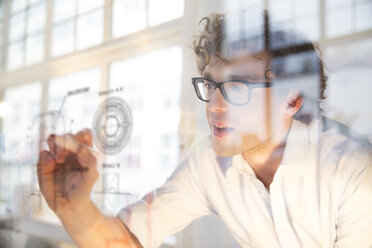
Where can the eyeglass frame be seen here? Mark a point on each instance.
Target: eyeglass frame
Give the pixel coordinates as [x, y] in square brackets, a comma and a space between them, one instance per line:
[219, 85]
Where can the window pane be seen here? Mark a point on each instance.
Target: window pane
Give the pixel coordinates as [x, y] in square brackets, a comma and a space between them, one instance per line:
[78, 110]
[306, 7]
[15, 55]
[157, 87]
[36, 17]
[90, 29]
[24, 102]
[234, 5]
[281, 9]
[1, 38]
[34, 48]
[158, 14]
[86, 5]
[31, 2]
[63, 39]
[339, 22]
[18, 5]
[348, 98]
[128, 16]
[334, 3]
[64, 9]
[17, 26]
[1, 10]
[309, 27]
[363, 17]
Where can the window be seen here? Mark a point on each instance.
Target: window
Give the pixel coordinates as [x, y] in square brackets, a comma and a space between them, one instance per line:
[147, 80]
[24, 102]
[347, 16]
[130, 16]
[349, 75]
[1, 29]
[77, 25]
[76, 106]
[303, 15]
[26, 33]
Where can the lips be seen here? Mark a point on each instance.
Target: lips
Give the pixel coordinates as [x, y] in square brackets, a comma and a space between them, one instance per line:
[220, 129]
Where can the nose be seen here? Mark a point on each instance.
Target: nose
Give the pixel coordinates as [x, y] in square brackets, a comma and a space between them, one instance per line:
[217, 102]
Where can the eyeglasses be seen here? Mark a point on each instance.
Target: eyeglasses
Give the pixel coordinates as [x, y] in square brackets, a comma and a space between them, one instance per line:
[236, 92]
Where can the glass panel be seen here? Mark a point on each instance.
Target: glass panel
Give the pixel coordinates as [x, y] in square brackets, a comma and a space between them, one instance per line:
[1, 32]
[19, 153]
[31, 2]
[348, 91]
[339, 22]
[18, 5]
[86, 5]
[34, 48]
[90, 29]
[158, 13]
[64, 9]
[24, 102]
[15, 55]
[36, 17]
[1, 10]
[363, 17]
[281, 10]
[17, 26]
[306, 7]
[63, 38]
[157, 88]
[335, 3]
[78, 110]
[309, 27]
[128, 16]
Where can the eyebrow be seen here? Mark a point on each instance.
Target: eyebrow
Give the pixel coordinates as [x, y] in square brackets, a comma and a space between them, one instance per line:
[207, 75]
[249, 77]
[234, 76]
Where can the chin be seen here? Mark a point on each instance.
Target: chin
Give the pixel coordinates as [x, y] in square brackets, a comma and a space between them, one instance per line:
[228, 147]
[225, 148]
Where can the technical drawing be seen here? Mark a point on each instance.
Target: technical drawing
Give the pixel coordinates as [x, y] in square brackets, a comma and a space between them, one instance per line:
[111, 182]
[112, 125]
[47, 123]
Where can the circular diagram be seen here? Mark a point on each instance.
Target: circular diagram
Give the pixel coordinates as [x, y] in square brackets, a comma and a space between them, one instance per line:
[112, 125]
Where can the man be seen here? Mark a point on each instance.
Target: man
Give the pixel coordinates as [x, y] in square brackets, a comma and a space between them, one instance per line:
[276, 172]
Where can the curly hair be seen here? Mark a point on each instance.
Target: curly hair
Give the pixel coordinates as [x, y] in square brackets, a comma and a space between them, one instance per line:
[210, 42]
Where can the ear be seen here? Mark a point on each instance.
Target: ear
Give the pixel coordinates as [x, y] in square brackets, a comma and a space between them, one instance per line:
[293, 103]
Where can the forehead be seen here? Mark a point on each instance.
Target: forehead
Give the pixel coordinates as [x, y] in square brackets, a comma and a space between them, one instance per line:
[253, 67]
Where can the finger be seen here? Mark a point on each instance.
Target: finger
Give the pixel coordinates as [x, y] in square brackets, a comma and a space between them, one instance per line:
[57, 147]
[51, 144]
[88, 160]
[45, 167]
[85, 137]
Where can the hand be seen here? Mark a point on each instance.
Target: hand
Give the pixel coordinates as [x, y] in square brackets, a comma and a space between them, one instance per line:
[67, 172]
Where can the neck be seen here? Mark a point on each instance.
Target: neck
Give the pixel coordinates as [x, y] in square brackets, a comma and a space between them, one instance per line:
[266, 157]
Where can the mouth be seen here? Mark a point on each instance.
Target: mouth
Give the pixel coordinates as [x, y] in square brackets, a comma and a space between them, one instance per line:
[220, 129]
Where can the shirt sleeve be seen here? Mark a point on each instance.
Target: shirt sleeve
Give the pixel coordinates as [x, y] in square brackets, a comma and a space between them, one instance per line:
[169, 208]
[354, 224]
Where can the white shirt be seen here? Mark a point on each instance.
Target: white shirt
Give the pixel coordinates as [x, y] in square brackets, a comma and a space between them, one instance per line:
[321, 194]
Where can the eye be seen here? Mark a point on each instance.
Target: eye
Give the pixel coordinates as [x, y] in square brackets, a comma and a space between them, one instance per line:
[208, 85]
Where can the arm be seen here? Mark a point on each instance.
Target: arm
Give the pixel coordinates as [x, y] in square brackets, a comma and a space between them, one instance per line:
[171, 207]
[66, 178]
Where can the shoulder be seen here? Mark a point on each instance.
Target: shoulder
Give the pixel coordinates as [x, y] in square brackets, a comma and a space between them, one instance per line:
[340, 141]
[346, 156]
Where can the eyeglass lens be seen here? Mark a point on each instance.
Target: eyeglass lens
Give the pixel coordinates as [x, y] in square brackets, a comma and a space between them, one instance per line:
[236, 92]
